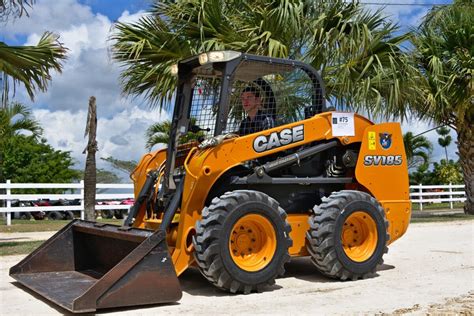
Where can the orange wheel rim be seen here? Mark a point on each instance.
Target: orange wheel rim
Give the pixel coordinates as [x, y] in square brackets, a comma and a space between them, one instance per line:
[359, 236]
[252, 242]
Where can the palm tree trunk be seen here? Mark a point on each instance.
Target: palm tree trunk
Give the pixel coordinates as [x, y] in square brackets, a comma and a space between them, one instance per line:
[466, 155]
[446, 153]
[90, 175]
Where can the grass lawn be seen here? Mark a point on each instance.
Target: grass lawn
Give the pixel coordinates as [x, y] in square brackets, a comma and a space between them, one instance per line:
[18, 247]
[22, 225]
[435, 206]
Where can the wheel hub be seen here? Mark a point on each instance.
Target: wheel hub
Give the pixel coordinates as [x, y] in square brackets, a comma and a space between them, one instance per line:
[252, 242]
[359, 236]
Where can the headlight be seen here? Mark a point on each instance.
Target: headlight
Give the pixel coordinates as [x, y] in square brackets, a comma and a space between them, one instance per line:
[218, 56]
[174, 69]
[203, 59]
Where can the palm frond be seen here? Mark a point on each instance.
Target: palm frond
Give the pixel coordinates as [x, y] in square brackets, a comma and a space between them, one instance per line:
[17, 118]
[32, 66]
[355, 50]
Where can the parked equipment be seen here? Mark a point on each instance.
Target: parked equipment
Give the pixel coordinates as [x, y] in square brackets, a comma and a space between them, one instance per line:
[329, 185]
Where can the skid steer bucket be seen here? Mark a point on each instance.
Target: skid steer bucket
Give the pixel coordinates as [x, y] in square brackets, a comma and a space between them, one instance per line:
[86, 266]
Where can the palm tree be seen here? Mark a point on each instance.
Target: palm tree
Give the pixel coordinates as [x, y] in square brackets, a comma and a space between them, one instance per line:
[159, 133]
[355, 50]
[445, 139]
[90, 171]
[444, 54]
[30, 65]
[126, 166]
[14, 120]
[418, 149]
[17, 118]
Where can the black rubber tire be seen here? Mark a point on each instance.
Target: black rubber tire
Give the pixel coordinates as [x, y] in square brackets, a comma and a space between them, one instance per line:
[22, 215]
[25, 215]
[211, 241]
[324, 235]
[107, 214]
[54, 215]
[68, 215]
[118, 214]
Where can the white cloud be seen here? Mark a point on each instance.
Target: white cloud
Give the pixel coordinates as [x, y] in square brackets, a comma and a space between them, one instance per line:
[88, 70]
[49, 15]
[126, 17]
[122, 136]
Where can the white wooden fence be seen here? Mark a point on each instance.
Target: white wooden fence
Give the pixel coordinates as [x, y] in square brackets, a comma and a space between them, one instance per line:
[78, 188]
[419, 194]
[449, 193]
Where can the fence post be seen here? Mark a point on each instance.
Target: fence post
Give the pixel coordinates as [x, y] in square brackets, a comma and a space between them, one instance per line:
[9, 204]
[82, 200]
[420, 186]
[450, 196]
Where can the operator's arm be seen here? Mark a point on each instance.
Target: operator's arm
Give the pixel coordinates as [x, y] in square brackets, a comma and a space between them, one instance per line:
[268, 122]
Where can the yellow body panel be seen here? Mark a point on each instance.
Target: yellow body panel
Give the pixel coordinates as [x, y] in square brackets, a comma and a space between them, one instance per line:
[299, 226]
[387, 183]
[205, 167]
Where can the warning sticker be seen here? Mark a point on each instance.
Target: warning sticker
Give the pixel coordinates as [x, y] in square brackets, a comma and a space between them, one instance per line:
[343, 124]
[372, 141]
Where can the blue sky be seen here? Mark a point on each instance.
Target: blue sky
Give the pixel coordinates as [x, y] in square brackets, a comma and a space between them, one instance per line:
[113, 9]
[84, 27]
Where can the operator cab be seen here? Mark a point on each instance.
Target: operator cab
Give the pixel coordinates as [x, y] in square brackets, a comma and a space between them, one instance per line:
[289, 91]
[209, 103]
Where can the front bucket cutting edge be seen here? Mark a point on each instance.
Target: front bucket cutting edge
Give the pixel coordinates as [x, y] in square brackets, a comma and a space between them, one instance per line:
[86, 266]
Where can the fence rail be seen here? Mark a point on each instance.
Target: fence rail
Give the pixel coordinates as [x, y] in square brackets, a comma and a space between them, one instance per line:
[76, 193]
[450, 193]
[420, 194]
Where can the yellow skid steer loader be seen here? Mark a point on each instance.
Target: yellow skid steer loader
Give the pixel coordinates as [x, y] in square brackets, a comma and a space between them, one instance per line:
[257, 170]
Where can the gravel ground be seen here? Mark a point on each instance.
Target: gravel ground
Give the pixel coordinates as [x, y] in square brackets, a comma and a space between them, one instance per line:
[429, 271]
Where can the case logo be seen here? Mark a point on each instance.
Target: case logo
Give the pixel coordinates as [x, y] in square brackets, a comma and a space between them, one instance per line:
[385, 140]
[277, 139]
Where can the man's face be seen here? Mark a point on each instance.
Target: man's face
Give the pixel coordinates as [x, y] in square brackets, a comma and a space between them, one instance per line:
[250, 101]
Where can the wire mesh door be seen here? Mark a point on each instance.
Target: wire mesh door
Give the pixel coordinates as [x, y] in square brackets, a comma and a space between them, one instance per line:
[265, 95]
[204, 108]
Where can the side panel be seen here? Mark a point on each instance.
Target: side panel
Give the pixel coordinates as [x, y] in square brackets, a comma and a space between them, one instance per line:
[382, 170]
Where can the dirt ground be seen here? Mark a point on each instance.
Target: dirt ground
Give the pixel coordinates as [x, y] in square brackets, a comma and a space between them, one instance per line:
[429, 271]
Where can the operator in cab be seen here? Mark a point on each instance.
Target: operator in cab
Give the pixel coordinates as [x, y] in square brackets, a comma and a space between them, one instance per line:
[258, 118]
